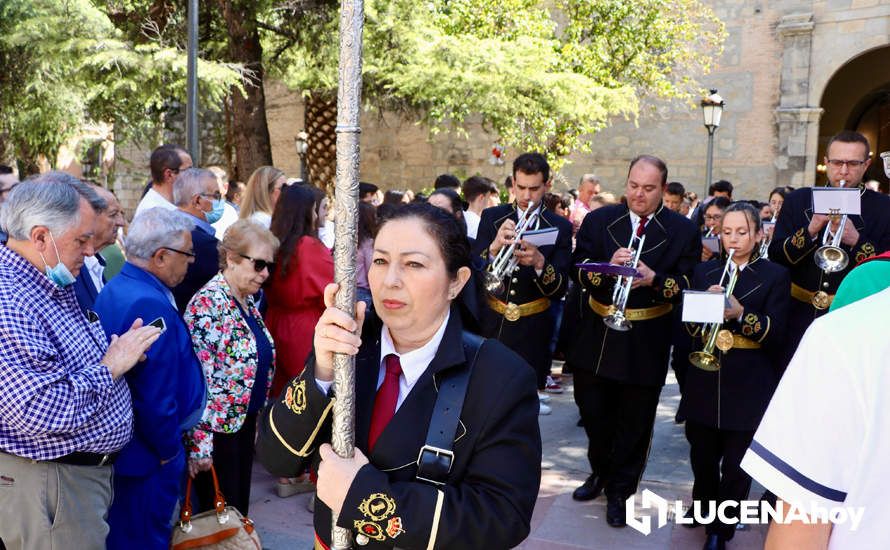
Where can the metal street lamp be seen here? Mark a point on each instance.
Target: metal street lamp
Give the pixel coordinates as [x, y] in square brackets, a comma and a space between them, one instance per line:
[302, 144]
[712, 111]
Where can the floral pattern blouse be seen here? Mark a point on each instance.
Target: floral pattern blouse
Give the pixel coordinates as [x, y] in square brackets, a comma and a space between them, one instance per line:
[227, 350]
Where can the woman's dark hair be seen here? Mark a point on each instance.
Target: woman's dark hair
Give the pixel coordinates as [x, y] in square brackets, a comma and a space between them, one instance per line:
[442, 227]
[749, 210]
[720, 202]
[367, 222]
[393, 196]
[551, 201]
[293, 218]
[457, 205]
[781, 191]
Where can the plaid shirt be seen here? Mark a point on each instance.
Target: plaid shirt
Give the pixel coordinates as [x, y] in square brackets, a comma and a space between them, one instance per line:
[55, 397]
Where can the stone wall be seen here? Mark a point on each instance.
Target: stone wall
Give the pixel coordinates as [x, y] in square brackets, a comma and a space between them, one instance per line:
[778, 58]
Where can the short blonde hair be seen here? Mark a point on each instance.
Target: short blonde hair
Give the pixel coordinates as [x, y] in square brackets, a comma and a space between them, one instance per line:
[238, 238]
[258, 194]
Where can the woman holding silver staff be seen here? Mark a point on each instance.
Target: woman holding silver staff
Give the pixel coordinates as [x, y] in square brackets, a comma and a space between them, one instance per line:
[447, 446]
[735, 366]
[619, 373]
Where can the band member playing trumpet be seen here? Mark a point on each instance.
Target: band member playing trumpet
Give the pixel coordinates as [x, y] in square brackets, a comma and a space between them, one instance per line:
[799, 234]
[519, 297]
[619, 373]
[738, 364]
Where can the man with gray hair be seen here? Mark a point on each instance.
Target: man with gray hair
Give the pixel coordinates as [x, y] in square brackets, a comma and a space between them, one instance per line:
[168, 388]
[109, 219]
[65, 412]
[196, 194]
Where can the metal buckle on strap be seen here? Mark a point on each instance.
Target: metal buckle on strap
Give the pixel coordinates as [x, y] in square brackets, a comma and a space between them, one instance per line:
[437, 453]
[105, 458]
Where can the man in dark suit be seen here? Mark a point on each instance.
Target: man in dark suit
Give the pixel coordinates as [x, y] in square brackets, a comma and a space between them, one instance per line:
[168, 388]
[799, 233]
[619, 375]
[91, 278]
[196, 193]
[517, 314]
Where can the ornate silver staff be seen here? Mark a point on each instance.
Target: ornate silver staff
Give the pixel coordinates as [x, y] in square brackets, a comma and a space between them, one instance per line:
[346, 196]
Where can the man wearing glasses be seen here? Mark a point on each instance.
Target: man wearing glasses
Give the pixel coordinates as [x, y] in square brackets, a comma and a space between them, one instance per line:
[168, 388]
[799, 233]
[167, 161]
[196, 194]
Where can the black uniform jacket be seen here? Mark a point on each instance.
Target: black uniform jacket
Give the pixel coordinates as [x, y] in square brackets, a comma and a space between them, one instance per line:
[525, 285]
[792, 246]
[735, 397]
[491, 490]
[672, 249]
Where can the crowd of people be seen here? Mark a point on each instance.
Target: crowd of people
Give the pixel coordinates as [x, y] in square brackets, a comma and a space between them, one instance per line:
[203, 335]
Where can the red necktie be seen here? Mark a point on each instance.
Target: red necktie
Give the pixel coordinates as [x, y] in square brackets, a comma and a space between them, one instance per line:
[386, 400]
[642, 227]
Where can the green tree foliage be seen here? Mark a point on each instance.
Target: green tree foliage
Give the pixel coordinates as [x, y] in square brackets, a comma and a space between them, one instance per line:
[535, 83]
[68, 65]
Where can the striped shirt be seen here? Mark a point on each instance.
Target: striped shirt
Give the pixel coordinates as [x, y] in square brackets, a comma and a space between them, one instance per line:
[55, 396]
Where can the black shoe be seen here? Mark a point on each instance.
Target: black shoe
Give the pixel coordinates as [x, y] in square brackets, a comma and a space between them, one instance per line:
[591, 489]
[615, 512]
[714, 542]
[690, 515]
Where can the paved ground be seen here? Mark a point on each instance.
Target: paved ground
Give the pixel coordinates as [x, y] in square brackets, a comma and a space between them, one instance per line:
[559, 523]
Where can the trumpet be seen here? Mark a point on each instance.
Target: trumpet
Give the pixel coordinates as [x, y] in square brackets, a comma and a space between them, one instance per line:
[764, 245]
[505, 262]
[617, 319]
[722, 339]
[830, 257]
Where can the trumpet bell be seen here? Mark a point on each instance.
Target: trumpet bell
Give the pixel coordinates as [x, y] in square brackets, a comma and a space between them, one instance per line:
[831, 259]
[493, 284]
[617, 321]
[705, 361]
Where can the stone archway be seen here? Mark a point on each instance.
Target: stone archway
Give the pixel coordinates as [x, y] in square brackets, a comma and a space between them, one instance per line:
[857, 97]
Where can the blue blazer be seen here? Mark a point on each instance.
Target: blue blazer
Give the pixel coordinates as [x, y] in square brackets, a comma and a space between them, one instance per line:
[168, 389]
[205, 266]
[85, 289]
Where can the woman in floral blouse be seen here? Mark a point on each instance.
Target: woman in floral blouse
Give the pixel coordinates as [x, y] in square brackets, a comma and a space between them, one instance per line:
[238, 356]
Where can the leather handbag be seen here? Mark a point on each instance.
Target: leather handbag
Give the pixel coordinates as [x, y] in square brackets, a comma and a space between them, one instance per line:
[223, 528]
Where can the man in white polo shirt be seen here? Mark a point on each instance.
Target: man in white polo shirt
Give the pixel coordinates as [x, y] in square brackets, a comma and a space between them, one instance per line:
[825, 438]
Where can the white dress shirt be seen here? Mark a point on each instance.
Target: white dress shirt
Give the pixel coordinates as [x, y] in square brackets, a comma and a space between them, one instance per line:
[95, 269]
[473, 220]
[414, 363]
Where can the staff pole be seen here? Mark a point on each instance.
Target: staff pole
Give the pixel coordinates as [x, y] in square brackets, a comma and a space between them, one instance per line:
[346, 217]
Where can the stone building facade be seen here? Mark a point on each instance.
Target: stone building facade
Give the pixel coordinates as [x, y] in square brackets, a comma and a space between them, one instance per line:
[793, 72]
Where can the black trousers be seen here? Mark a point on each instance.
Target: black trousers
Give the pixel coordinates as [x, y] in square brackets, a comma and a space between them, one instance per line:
[618, 419]
[233, 462]
[715, 456]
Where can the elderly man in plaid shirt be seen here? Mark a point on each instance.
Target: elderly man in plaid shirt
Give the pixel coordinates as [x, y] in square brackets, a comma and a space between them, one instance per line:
[65, 411]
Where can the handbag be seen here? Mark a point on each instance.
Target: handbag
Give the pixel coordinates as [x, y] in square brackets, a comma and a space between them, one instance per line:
[223, 528]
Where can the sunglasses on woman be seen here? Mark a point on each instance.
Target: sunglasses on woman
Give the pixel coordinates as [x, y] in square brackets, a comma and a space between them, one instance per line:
[259, 265]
